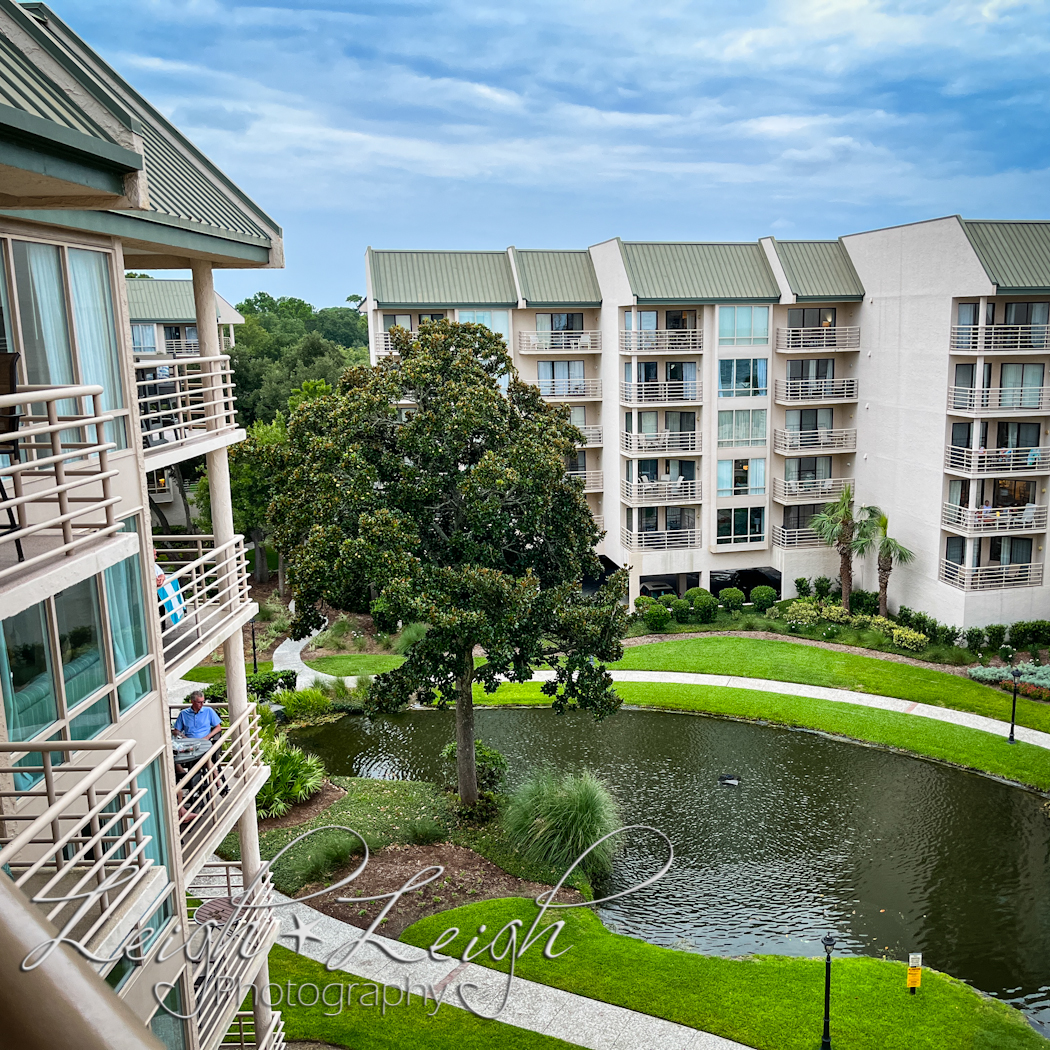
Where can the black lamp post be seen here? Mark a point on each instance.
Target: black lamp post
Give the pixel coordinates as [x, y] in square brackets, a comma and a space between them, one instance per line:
[1013, 710]
[829, 942]
[255, 662]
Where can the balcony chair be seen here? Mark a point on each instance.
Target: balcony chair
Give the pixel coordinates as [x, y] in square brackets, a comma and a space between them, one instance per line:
[1028, 518]
[9, 445]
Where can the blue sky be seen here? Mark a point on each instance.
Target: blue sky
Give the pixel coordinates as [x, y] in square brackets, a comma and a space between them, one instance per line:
[558, 124]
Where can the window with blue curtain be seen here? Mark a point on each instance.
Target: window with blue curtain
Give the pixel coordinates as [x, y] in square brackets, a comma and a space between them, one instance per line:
[127, 624]
[725, 477]
[155, 824]
[743, 325]
[78, 616]
[30, 701]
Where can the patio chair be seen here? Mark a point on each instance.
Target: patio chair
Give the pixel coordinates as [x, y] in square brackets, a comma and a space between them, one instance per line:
[9, 438]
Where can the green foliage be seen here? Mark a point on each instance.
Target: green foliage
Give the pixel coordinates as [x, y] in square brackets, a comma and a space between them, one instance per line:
[491, 764]
[262, 686]
[304, 704]
[554, 818]
[324, 854]
[308, 391]
[802, 586]
[294, 776]
[1026, 633]
[974, 639]
[864, 602]
[996, 633]
[834, 612]
[1030, 672]
[732, 598]
[681, 609]
[822, 586]
[801, 614]
[410, 634]
[706, 608]
[352, 700]
[657, 617]
[425, 831]
[693, 593]
[667, 601]
[904, 615]
[946, 634]
[763, 598]
[643, 602]
[906, 638]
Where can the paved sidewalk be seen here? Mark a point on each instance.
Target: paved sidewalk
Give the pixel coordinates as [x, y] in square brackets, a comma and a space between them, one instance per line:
[535, 1007]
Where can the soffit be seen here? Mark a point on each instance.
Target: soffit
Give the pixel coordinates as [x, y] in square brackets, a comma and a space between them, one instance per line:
[1015, 255]
[699, 273]
[441, 279]
[557, 278]
[819, 270]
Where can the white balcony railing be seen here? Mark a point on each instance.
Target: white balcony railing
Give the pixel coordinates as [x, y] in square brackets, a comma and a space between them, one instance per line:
[243, 1035]
[792, 340]
[183, 398]
[662, 441]
[592, 479]
[989, 462]
[591, 435]
[677, 341]
[795, 539]
[559, 342]
[1000, 338]
[991, 577]
[55, 491]
[205, 596]
[999, 399]
[813, 490]
[599, 520]
[790, 391]
[673, 539]
[648, 493]
[570, 388]
[1030, 518]
[791, 441]
[673, 391]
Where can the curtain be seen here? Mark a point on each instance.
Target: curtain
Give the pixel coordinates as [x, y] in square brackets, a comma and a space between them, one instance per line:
[647, 422]
[756, 470]
[760, 324]
[725, 477]
[743, 427]
[42, 307]
[758, 425]
[725, 428]
[759, 376]
[1031, 383]
[1010, 379]
[725, 377]
[127, 626]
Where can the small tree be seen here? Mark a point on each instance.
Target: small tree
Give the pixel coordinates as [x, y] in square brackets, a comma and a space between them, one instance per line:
[872, 534]
[836, 527]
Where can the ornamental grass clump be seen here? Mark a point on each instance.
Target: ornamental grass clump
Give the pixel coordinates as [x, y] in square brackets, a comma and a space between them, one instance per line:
[554, 818]
[294, 776]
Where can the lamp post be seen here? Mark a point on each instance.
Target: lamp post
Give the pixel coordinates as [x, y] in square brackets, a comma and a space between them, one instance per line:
[1016, 673]
[829, 942]
[255, 662]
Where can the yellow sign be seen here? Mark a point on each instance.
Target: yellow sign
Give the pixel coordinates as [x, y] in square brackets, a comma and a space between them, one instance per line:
[914, 976]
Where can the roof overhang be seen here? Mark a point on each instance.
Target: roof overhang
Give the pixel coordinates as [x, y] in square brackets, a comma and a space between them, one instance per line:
[445, 306]
[829, 298]
[533, 304]
[707, 302]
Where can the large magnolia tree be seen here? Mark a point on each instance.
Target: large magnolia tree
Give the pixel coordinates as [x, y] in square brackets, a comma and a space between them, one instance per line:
[434, 491]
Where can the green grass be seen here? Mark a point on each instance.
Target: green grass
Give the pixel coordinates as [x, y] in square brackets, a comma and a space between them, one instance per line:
[355, 663]
[811, 665]
[972, 748]
[393, 1029]
[217, 673]
[768, 1002]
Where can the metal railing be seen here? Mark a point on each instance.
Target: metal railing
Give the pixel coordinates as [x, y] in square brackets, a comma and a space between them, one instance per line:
[846, 337]
[559, 388]
[991, 577]
[997, 460]
[825, 440]
[999, 399]
[795, 539]
[671, 391]
[1029, 518]
[647, 493]
[55, 492]
[591, 435]
[384, 345]
[191, 346]
[812, 490]
[674, 539]
[599, 520]
[183, 398]
[676, 341]
[205, 594]
[242, 1033]
[1000, 338]
[592, 479]
[792, 390]
[559, 342]
[662, 441]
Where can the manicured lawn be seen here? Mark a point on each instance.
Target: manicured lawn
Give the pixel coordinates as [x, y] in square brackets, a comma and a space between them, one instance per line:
[396, 1027]
[211, 675]
[355, 663]
[811, 665]
[768, 1002]
[1024, 763]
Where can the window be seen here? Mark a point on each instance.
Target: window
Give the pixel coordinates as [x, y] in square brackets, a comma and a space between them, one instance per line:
[809, 419]
[647, 519]
[1022, 385]
[431, 317]
[127, 625]
[560, 378]
[799, 517]
[681, 320]
[559, 322]
[1010, 550]
[681, 469]
[743, 377]
[683, 372]
[577, 462]
[1017, 435]
[400, 320]
[578, 415]
[78, 616]
[969, 314]
[144, 338]
[679, 518]
[955, 550]
[678, 422]
[741, 525]
[743, 325]
[811, 317]
[166, 1025]
[646, 321]
[648, 470]
[1013, 492]
[959, 492]
[962, 435]
[740, 427]
[741, 477]
[497, 321]
[42, 310]
[1027, 313]
[808, 468]
[30, 700]
[812, 368]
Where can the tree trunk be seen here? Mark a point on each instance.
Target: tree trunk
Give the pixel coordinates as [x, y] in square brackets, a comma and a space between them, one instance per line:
[885, 568]
[160, 516]
[180, 484]
[846, 573]
[262, 566]
[282, 579]
[466, 771]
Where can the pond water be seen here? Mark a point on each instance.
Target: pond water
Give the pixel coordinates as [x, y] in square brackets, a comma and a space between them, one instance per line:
[891, 854]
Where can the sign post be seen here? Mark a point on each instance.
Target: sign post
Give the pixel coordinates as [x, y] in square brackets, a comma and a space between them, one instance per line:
[914, 971]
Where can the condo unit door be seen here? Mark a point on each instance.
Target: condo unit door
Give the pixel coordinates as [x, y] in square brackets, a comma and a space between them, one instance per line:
[1010, 550]
[560, 378]
[1021, 385]
[1017, 435]
[809, 421]
[681, 469]
[648, 519]
[799, 517]
[680, 422]
[812, 368]
[559, 322]
[811, 317]
[681, 320]
[578, 415]
[389, 321]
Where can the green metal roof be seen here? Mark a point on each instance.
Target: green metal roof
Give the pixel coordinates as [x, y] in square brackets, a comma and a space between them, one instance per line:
[819, 270]
[441, 279]
[699, 273]
[557, 278]
[1015, 255]
[170, 302]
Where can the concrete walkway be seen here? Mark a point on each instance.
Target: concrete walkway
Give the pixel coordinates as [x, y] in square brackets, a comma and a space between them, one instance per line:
[535, 1007]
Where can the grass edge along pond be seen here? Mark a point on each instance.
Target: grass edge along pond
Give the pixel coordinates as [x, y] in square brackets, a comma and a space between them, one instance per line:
[768, 1002]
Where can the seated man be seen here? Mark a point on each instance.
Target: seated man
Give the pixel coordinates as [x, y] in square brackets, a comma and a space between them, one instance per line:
[197, 722]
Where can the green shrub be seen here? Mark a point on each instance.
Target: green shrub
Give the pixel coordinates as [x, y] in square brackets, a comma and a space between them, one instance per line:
[490, 765]
[802, 587]
[294, 776]
[317, 858]
[834, 612]
[262, 686]
[643, 602]
[681, 609]
[706, 608]
[305, 704]
[1034, 654]
[693, 593]
[1006, 653]
[352, 700]
[1031, 674]
[553, 819]
[410, 634]
[1027, 634]
[657, 617]
[667, 601]
[906, 638]
[425, 831]
[946, 634]
[732, 598]
[763, 598]
[864, 602]
[974, 639]
[860, 621]
[904, 615]
[883, 625]
[924, 624]
[822, 586]
[801, 614]
[996, 633]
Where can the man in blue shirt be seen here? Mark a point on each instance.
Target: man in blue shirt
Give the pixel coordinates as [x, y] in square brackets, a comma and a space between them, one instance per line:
[198, 722]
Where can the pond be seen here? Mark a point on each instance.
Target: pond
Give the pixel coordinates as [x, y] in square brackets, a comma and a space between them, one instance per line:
[891, 854]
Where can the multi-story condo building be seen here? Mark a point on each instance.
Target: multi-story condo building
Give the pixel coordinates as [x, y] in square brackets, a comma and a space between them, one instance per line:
[726, 392]
[107, 833]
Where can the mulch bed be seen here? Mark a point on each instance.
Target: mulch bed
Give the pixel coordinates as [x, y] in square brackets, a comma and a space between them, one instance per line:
[301, 812]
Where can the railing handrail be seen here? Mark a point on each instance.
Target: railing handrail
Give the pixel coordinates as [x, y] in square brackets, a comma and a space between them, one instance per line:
[992, 519]
[678, 440]
[674, 340]
[816, 389]
[1026, 574]
[29, 394]
[666, 539]
[822, 437]
[659, 490]
[801, 537]
[661, 390]
[989, 461]
[782, 487]
[843, 337]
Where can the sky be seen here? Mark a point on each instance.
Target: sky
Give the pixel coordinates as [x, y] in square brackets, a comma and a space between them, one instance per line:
[561, 123]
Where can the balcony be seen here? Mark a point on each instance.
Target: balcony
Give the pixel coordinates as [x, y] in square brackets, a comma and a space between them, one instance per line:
[592, 479]
[214, 789]
[190, 347]
[979, 521]
[796, 539]
[242, 1034]
[824, 391]
[55, 492]
[184, 404]
[662, 441]
[813, 490]
[599, 520]
[591, 435]
[570, 389]
[1000, 339]
[205, 597]
[651, 493]
[992, 462]
[679, 341]
[991, 577]
[999, 400]
[789, 442]
[671, 392]
[800, 340]
[673, 540]
[559, 342]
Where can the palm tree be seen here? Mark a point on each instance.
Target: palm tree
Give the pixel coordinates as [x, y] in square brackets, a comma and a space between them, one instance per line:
[836, 526]
[873, 533]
